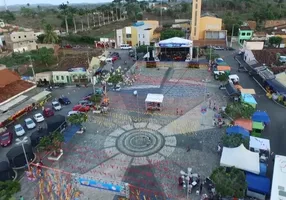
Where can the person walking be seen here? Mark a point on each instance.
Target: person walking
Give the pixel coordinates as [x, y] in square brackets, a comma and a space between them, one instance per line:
[201, 188]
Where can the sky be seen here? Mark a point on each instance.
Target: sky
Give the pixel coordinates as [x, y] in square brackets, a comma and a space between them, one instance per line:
[55, 2]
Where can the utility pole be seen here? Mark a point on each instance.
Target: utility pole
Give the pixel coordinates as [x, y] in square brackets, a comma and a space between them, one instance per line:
[5, 4]
[161, 13]
[148, 53]
[197, 54]
[31, 65]
[135, 53]
[232, 30]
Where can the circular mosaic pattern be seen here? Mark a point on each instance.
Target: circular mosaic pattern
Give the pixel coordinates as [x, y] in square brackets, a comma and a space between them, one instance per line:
[140, 142]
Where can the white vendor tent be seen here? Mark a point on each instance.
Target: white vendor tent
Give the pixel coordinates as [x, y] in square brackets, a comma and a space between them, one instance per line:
[240, 158]
[154, 101]
[259, 143]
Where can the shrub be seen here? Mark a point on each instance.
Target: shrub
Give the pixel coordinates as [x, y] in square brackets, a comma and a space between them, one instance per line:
[194, 65]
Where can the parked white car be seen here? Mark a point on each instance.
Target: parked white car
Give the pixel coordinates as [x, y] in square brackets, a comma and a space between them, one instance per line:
[72, 112]
[30, 124]
[56, 105]
[117, 88]
[39, 117]
[125, 47]
[19, 130]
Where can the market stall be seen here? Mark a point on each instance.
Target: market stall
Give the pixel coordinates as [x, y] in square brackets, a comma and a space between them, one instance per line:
[154, 101]
[245, 123]
[232, 91]
[261, 116]
[240, 158]
[226, 69]
[234, 78]
[238, 87]
[249, 99]
[6, 172]
[260, 145]
[247, 91]
[257, 127]
[257, 186]
[16, 156]
[237, 130]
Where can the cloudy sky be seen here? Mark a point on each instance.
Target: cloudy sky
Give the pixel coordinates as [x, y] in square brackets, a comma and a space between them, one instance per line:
[55, 2]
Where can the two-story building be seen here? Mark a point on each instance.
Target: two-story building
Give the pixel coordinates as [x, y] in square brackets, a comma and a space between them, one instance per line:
[140, 33]
[244, 33]
[21, 41]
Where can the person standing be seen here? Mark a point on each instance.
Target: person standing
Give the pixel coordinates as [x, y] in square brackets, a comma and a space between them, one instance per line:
[201, 188]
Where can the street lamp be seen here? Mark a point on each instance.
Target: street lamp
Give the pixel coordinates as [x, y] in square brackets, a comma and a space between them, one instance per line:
[31, 65]
[22, 142]
[186, 179]
[136, 94]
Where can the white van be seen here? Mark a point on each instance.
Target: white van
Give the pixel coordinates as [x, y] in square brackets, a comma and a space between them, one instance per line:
[125, 46]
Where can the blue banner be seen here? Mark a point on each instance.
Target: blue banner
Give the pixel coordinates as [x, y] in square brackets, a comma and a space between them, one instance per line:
[117, 188]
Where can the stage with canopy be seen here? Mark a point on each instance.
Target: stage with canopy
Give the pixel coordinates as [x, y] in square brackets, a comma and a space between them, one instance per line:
[175, 49]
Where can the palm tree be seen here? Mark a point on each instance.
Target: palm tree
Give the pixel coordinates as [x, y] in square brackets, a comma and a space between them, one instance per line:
[64, 8]
[74, 12]
[81, 14]
[87, 13]
[50, 36]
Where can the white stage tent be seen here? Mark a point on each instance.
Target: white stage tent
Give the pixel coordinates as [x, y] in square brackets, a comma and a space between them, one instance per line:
[176, 42]
[240, 158]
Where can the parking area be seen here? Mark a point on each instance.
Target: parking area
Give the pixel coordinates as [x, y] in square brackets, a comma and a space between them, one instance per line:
[74, 94]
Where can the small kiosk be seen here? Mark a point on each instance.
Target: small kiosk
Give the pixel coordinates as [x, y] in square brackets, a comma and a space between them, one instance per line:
[154, 102]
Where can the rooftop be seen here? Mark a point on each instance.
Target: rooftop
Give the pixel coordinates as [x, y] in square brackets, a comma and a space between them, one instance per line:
[273, 23]
[13, 89]
[252, 24]
[245, 28]
[7, 77]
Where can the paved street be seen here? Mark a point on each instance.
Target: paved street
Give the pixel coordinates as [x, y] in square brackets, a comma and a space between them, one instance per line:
[275, 131]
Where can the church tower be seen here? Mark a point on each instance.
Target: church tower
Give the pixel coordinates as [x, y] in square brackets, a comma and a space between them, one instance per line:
[196, 15]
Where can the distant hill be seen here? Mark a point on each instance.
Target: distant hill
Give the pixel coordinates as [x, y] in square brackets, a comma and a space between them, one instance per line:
[17, 7]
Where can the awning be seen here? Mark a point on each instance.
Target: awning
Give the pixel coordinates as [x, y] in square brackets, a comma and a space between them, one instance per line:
[154, 98]
[42, 95]
[223, 68]
[175, 42]
[247, 91]
[238, 87]
[257, 125]
[237, 130]
[259, 143]
[248, 98]
[260, 116]
[245, 123]
[259, 184]
[277, 87]
[13, 102]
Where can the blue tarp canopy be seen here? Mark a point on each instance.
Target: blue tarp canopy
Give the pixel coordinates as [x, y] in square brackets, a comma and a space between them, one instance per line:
[258, 184]
[237, 130]
[219, 60]
[260, 116]
[248, 98]
[276, 86]
[263, 169]
[70, 132]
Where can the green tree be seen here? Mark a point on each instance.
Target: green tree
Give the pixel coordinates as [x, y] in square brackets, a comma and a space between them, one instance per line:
[44, 56]
[144, 48]
[96, 99]
[234, 140]
[169, 33]
[115, 78]
[52, 142]
[239, 110]
[275, 41]
[8, 189]
[134, 11]
[27, 12]
[229, 182]
[78, 119]
[7, 16]
[223, 78]
[50, 35]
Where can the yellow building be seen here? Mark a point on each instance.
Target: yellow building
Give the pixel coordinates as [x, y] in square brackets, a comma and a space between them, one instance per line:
[209, 25]
[140, 33]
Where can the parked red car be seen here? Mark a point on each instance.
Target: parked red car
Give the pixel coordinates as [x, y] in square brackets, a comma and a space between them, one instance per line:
[6, 139]
[81, 108]
[48, 112]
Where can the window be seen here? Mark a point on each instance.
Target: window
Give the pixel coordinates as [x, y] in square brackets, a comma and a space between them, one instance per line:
[248, 34]
[196, 6]
[139, 35]
[196, 18]
[143, 43]
[143, 36]
[243, 34]
[139, 43]
[19, 37]
[57, 77]
[62, 77]
[128, 35]
[25, 36]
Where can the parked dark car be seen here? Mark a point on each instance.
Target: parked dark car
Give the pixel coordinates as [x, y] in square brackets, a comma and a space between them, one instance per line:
[64, 101]
[6, 139]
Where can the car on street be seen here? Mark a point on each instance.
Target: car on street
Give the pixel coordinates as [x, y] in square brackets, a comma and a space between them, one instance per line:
[64, 101]
[30, 124]
[81, 108]
[48, 112]
[218, 48]
[85, 103]
[39, 117]
[125, 47]
[117, 88]
[56, 105]
[6, 139]
[72, 112]
[19, 130]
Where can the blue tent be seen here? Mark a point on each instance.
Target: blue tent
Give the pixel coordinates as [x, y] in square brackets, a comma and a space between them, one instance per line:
[260, 116]
[263, 169]
[248, 98]
[276, 86]
[237, 130]
[70, 132]
[258, 184]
